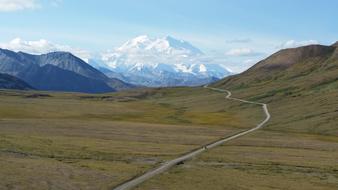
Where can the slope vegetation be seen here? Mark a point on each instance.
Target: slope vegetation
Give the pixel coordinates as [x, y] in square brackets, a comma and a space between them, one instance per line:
[300, 84]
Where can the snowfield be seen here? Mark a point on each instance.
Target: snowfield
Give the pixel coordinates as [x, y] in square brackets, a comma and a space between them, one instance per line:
[160, 62]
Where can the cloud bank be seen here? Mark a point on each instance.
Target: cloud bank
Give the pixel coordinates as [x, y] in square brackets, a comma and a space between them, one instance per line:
[16, 5]
[43, 46]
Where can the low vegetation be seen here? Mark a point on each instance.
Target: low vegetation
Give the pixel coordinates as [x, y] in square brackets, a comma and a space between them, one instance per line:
[84, 141]
[263, 160]
[297, 149]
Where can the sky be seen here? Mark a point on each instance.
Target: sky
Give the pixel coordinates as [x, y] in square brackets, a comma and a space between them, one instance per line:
[235, 32]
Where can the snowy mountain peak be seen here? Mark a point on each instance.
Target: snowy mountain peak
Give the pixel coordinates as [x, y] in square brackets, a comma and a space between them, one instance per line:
[165, 61]
[141, 38]
[140, 42]
[182, 45]
[166, 45]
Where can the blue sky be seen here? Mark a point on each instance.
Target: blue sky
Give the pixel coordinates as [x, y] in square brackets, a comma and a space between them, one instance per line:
[218, 27]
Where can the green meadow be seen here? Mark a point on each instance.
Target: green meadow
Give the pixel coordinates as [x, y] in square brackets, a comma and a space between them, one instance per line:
[85, 141]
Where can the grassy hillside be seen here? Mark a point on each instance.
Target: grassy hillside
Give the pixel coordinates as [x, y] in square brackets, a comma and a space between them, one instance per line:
[300, 85]
[83, 141]
[297, 149]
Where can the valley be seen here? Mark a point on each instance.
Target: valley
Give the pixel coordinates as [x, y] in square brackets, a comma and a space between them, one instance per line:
[297, 149]
[68, 140]
[168, 95]
[196, 152]
[65, 140]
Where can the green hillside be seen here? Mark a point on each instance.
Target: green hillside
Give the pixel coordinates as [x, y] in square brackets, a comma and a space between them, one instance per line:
[300, 85]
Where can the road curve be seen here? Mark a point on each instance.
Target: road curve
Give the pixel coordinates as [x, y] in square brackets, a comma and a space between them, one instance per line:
[167, 165]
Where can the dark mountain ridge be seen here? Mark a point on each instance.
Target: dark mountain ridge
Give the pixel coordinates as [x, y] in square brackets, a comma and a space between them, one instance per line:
[10, 82]
[58, 71]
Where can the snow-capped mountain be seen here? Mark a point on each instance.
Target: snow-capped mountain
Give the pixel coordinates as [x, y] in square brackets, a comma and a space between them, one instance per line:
[167, 45]
[160, 62]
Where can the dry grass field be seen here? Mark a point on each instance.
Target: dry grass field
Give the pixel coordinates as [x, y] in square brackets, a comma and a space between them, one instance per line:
[297, 149]
[263, 160]
[293, 151]
[83, 141]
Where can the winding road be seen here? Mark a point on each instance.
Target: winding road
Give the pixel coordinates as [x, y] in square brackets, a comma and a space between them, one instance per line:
[167, 165]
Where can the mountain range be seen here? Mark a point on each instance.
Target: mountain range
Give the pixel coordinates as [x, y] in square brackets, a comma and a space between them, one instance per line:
[160, 62]
[142, 61]
[57, 71]
[167, 62]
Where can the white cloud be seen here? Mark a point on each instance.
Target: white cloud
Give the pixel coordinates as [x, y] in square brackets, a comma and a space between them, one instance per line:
[43, 46]
[241, 52]
[15, 5]
[294, 44]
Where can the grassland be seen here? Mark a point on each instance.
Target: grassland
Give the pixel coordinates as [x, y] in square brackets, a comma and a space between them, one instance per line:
[297, 149]
[263, 160]
[84, 141]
